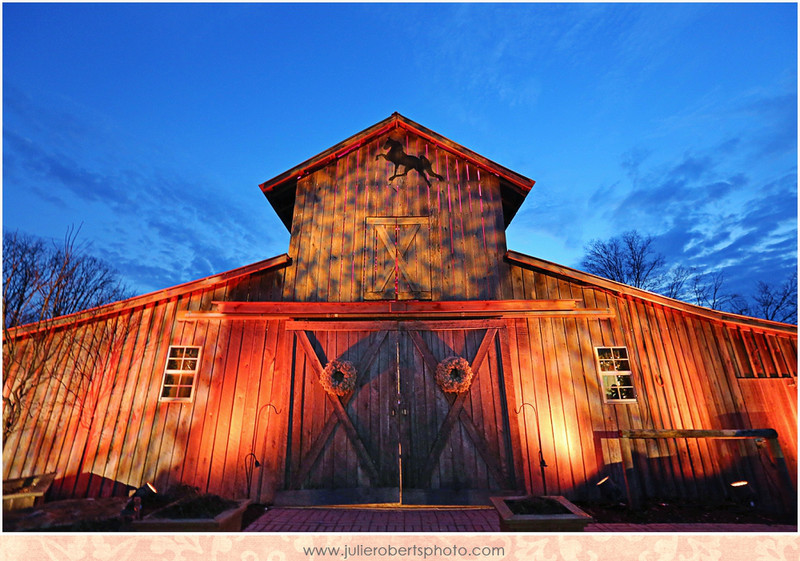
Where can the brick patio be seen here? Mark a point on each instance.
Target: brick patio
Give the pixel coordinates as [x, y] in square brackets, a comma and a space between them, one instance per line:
[446, 520]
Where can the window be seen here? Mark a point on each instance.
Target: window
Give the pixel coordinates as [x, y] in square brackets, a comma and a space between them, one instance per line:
[615, 371]
[180, 373]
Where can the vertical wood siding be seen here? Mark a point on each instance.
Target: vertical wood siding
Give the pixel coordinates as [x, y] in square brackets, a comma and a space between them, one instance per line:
[689, 372]
[117, 434]
[329, 243]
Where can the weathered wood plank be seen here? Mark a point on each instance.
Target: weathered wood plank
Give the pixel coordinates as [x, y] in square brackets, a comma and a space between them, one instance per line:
[698, 433]
[728, 393]
[232, 482]
[364, 457]
[686, 405]
[273, 411]
[506, 399]
[588, 332]
[700, 409]
[81, 362]
[158, 429]
[123, 421]
[519, 366]
[117, 378]
[456, 404]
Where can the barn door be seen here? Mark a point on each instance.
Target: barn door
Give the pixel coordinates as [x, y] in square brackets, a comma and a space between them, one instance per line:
[397, 437]
[398, 265]
[343, 449]
[456, 447]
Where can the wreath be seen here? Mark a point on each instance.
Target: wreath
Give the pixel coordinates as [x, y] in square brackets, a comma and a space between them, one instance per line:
[454, 375]
[338, 377]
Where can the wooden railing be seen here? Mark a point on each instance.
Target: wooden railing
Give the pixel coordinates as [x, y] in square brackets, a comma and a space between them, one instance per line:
[788, 495]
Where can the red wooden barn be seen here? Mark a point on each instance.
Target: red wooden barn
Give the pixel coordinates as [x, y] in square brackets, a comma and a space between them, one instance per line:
[400, 353]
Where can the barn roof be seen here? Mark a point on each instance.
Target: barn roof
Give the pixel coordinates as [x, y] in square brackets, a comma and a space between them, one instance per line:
[512, 257]
[106, 310]
[280, 190]
[627, 291]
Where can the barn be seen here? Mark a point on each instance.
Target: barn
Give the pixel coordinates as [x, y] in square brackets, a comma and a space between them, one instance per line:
[400, 353]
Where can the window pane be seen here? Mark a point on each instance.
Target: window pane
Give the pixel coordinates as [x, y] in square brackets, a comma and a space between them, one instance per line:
[615, 368]
[179, 372]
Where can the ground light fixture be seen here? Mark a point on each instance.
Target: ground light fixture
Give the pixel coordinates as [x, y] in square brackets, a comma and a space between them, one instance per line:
[609, 489]
[142, 494]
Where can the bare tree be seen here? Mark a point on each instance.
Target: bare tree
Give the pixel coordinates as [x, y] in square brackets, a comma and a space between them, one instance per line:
[674, 283]
[629, 259]
[41, 282]
[707, 290]
[777, 303]
[632, 260]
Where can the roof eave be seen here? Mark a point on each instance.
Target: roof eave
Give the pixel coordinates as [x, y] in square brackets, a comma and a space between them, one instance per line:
[111, 308]
[274, 189]
[621, 289]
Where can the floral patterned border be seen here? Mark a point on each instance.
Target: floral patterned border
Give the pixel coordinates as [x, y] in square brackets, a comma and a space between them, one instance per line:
[290, 547]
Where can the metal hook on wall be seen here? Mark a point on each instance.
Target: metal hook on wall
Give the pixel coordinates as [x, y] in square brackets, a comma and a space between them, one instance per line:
[251, 460]
[542, 463]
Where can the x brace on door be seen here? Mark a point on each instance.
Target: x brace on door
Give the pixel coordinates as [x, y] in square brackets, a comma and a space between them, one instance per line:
[405, 238]
[458, 413]
[342, 417]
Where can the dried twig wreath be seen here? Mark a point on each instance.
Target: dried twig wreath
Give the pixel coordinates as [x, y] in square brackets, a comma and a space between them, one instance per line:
[339, 377]
[454, 374]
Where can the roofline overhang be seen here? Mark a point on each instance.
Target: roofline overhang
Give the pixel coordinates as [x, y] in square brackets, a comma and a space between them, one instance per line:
[112, 308]
[626, 291]
[520, 184]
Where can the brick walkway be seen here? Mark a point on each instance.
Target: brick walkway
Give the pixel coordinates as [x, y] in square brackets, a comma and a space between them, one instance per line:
[445, 520]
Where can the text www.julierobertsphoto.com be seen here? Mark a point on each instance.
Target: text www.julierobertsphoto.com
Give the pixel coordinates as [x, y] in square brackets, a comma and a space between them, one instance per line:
[415, 551]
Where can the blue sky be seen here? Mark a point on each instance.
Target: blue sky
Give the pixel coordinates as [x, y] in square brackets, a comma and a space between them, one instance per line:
[153, 124]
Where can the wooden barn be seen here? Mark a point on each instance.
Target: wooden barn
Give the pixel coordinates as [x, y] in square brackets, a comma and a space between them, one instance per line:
[400, 353]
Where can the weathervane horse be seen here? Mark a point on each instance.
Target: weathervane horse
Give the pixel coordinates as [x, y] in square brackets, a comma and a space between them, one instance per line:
[400, 158]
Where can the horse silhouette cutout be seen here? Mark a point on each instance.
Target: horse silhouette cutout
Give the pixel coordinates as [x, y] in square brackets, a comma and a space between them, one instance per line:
[398, 157]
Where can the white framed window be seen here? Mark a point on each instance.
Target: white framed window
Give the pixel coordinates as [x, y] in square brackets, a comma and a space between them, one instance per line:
[180, 373]
[615, 372]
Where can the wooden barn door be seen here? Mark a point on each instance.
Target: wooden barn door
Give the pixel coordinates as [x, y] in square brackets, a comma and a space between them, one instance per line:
[456, 448]
[398, 438]
[343, 450]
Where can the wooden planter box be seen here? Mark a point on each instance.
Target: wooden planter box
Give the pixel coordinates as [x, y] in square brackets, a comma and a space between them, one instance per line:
[26, 492]
[566, 516]
[226, 521]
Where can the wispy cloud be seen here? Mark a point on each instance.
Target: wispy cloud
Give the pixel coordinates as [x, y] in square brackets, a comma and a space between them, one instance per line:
[175, 228]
